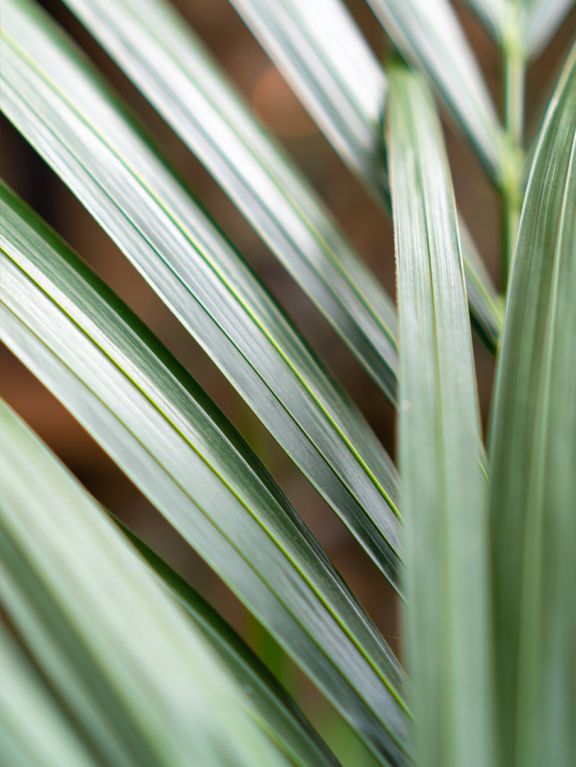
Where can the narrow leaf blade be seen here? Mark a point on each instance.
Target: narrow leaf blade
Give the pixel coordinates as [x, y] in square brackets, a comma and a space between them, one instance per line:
[533, 454]
[171, 67]
[58, 102]
[343, 92]
[441, 455]
[180, 451]
[161, 700]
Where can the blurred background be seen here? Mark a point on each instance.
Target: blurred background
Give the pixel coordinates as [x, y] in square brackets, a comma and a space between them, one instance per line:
[368, 230]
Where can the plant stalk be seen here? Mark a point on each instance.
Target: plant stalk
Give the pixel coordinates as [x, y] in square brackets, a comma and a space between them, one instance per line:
[514, 71]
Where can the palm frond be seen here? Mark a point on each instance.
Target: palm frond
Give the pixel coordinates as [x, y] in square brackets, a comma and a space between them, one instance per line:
[428, 34]
[176, 73]
[180, 451]
[532, 23]
[532, 449]
[280, 717]
[65, 110]
[108, 656]
[163, 700]
[306, 41]
[441, 455]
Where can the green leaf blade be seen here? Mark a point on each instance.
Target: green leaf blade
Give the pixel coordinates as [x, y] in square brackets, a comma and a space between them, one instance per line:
[429, 35]
[163, 700]
[300, 38]
[56, 99]
[443, 487]
[178, 76]
[167, 436]
[533, 453]
[281, 718]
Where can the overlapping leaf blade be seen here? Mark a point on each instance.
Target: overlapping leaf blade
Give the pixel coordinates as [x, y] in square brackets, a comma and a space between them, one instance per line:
[45, 738]
[281, 718]
[161, 429]
[532, 22]
[161, 700]
[429, 35]
[321, 52]
[174, 71]
[533, 455]
[328, 63]
[541, 20]
[441, 455]
[58, 102]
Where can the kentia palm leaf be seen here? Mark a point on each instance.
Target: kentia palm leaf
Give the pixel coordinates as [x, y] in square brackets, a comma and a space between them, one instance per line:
[527, 23]
[58, 102]
[346, 95]
[532, 449]
[161, 700]
[441, 455]
[541, 20]
[172, 68]
[321, 52]
[167, 436]
[109, 657]
[281, 718]
[428, 34]
[32, 729]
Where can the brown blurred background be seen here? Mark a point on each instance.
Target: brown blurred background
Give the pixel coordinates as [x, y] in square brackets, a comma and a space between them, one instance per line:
[240, 55]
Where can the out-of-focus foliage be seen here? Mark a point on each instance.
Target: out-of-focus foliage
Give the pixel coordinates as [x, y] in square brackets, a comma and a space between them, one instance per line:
[110, 657]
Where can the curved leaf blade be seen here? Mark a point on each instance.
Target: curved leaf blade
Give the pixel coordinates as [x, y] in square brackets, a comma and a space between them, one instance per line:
[161, 700]
[62, 107]
[532, 457]
[280, 716]
[42, 738]
[441, 454]
[532, 22]
[171, 67]
[428, 34]
[306, 41]
[321, 52]
[180, 451]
